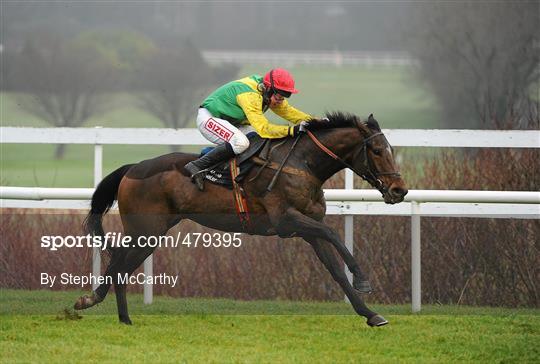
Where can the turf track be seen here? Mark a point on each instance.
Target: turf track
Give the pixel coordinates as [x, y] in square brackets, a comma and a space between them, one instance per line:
[205, 330]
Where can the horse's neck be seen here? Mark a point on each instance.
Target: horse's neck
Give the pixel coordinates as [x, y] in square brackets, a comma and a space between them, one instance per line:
[341, 142]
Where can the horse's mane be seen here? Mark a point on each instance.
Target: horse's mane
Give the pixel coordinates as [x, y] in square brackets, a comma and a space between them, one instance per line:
[338, 119]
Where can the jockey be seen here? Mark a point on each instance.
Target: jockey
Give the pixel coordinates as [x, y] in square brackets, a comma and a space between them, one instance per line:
[236, 109]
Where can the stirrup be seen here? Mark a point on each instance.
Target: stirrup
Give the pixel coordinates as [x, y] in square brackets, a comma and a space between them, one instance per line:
[198, 178]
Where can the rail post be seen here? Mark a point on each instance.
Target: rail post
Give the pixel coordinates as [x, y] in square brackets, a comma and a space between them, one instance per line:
[349, 224]
[416, 282]
[98, 175]
[148, 271]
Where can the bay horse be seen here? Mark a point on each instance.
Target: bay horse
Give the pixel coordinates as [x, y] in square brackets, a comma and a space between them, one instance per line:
[156, 194]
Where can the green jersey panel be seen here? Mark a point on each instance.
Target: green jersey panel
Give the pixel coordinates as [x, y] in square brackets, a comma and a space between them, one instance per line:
[222, 102]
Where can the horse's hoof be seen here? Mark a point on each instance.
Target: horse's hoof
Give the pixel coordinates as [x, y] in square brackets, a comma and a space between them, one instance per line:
[83, 302]
[362, 286]
[126, 321]
[86, 301]
[377, 320]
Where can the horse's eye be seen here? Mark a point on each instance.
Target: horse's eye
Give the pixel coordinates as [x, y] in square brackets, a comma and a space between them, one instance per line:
[377, 151]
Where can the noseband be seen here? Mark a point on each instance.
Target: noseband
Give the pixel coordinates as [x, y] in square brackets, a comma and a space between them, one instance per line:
[370, 175]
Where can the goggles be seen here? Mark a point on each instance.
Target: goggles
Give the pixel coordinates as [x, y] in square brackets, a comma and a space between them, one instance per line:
[285, 94]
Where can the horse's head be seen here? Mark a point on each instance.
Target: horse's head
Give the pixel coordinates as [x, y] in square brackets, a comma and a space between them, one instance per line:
[366, 152]
[374, 162]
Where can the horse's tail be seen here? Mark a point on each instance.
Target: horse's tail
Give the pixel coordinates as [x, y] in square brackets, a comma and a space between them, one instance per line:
[102, 200]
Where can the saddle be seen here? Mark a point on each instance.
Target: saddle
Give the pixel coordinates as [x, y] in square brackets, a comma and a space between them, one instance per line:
[221, 175]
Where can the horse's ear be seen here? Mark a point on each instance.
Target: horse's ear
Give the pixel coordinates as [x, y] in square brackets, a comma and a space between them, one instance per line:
[370, 117]
[362, 126]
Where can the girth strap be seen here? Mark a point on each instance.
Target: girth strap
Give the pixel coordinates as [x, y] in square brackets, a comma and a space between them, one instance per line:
[240, 205]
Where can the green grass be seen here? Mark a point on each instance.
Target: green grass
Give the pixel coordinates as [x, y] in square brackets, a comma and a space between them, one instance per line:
[33, 165]
[189, 330]
[390, 93]
[123, 113]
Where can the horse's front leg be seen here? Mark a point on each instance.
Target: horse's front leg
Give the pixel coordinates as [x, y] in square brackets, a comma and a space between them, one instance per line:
[294, 223]
[327, 257]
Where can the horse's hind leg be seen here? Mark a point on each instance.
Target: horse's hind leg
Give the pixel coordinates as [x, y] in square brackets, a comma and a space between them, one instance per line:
[99, 294]
[133, 259]
[327, 257]
[121, 303]
[136, 226]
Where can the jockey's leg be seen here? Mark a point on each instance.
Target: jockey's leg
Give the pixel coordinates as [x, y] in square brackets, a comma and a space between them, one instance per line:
[230, 140]
[196, 168]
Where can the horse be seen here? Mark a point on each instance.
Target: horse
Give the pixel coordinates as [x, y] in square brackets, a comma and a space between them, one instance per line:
[284, 197]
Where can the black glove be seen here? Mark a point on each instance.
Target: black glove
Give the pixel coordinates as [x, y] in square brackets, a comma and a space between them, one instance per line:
[302, 127]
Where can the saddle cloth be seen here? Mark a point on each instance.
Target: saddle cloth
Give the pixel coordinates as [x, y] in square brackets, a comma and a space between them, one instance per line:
[221, 175]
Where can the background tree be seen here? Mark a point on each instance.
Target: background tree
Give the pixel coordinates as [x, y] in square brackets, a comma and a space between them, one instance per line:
[65, 82]
[124, 50]
[174, 82]
[480, 59]
[62, 82]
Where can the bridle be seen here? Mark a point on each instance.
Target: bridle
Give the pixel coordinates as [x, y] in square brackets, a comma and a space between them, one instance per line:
[267, 94]
[369, 173]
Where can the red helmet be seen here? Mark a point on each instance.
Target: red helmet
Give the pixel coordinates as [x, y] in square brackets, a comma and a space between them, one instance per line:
[280, 79]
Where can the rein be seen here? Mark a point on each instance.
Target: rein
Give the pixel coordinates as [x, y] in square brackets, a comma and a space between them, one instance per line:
[371, 176]
[280, 168]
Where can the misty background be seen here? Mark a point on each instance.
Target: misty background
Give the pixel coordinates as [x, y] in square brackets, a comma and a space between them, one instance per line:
[61, 60]
[218, 24]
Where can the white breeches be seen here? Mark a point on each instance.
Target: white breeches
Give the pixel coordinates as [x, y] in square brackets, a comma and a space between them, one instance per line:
[219, 131]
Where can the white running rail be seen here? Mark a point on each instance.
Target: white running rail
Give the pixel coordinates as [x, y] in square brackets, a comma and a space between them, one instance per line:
[495, 204]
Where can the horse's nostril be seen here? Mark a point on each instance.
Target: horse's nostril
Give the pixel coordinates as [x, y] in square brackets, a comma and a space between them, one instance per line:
[398, 191]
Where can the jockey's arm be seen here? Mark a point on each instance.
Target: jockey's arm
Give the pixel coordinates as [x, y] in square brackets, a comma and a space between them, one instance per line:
[251, 103]
[290, 113]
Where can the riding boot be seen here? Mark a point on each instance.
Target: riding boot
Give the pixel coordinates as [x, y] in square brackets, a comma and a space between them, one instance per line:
[196, 168]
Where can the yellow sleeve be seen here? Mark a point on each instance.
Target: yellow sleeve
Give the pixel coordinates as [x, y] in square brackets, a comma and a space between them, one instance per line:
[251, 103]
[290, 113]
